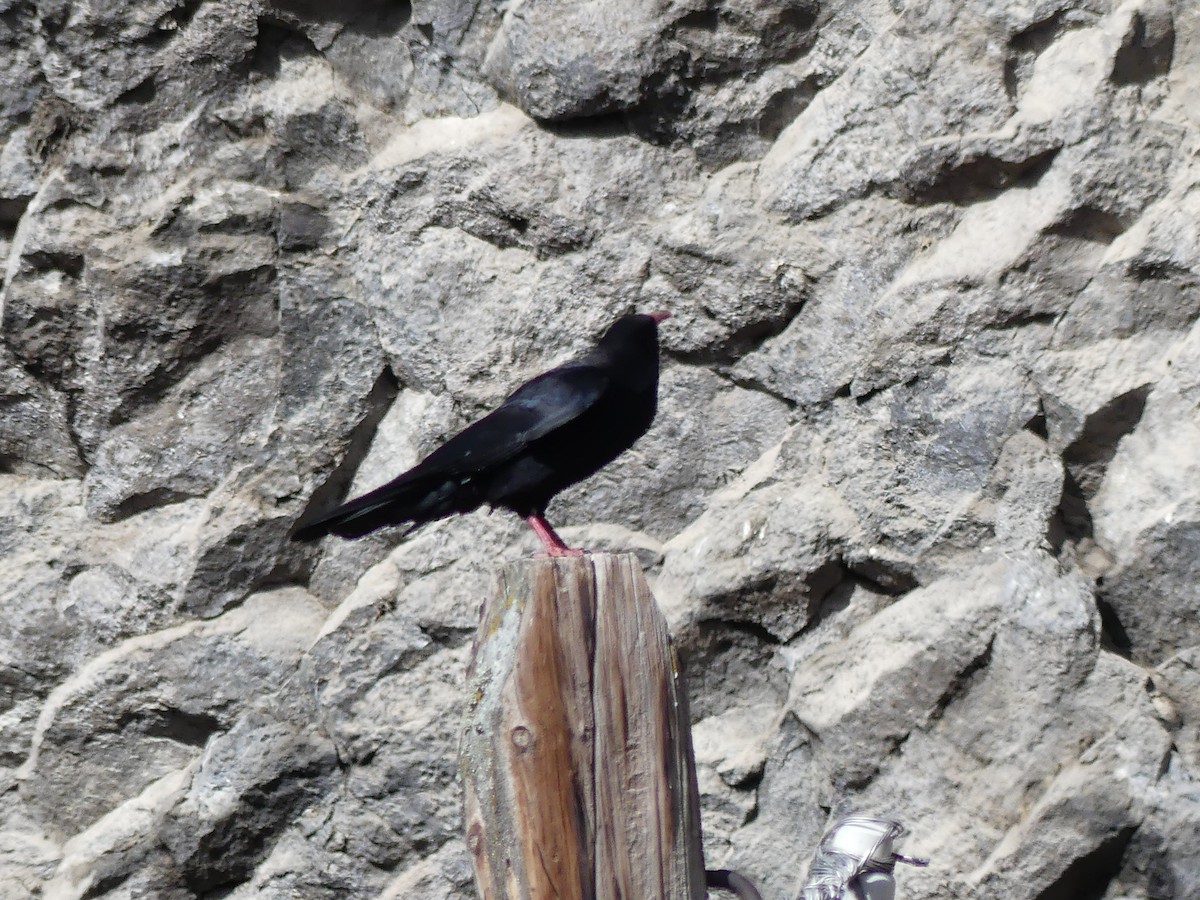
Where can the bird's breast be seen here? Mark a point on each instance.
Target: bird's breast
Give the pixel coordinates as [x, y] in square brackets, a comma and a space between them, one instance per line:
[571, 452]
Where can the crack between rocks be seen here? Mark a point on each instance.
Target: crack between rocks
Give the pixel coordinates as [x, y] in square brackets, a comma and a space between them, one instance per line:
[750, 384]
[377, 402]
[1089, 876]
[960, 685]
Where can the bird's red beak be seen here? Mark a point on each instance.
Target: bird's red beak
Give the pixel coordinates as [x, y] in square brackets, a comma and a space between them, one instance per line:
[661, 316]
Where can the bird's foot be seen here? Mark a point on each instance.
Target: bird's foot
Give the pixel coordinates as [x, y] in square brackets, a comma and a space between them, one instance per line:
[555, 546]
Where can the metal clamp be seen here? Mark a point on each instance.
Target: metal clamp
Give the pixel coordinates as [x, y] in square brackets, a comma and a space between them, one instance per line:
[855, 860]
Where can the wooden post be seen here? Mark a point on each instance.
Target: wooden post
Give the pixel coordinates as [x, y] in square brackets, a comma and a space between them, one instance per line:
[576, 756]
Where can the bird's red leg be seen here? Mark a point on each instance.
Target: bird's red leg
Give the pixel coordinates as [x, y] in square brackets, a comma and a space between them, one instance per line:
[550, 540]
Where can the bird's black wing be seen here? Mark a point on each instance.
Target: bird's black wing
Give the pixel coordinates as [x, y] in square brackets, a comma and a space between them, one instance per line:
[531, 412]
[437, 486]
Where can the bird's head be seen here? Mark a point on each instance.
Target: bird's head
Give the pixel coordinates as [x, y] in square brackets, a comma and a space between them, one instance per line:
[632, 341]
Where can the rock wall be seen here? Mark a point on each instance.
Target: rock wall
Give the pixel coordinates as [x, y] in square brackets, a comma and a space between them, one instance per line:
[917, 502]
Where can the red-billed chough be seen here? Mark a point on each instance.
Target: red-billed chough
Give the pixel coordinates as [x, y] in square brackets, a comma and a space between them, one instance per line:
[551, 432]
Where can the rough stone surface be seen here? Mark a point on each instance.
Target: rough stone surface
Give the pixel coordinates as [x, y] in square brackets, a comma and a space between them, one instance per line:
[921, 502]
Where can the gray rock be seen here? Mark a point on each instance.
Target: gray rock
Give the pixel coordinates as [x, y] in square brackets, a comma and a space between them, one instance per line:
[181, 449]
[36, 435]
[104, 735]
[566, 61]
[1147, 519]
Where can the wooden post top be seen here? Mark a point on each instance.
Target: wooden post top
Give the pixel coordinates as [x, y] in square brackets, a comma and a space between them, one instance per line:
[576, 750]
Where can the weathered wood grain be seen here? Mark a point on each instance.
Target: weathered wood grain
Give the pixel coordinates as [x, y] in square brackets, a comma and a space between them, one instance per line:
[576, 751]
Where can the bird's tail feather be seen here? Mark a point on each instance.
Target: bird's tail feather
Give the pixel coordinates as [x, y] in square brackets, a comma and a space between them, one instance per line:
[392, 504]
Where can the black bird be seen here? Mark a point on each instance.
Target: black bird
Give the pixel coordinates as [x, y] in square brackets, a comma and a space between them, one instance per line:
[551, 432]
